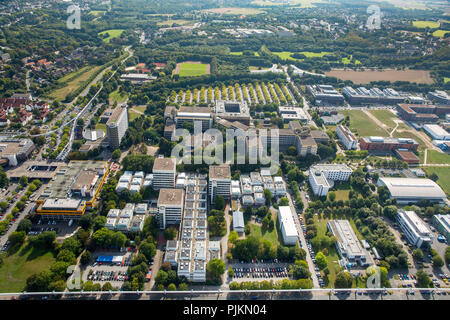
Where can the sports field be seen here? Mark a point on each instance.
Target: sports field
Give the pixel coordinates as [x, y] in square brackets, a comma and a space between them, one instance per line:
[366, 76]
[192, 69]
[113, 33]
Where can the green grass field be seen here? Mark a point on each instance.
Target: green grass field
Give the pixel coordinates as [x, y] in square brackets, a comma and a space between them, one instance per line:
[440, 33]
[434, 156]
[101, 126]
[426, 24]
[341, 194]
[97, 12]
[446, 79]
[444, 177]
[116, 97]
[17, 267]
[361, 124]
[193, 69]
[410, 135]
[272, 236]
[285, 55]
[77, 79]
[385, 116]
[113, 33]
[73, 75]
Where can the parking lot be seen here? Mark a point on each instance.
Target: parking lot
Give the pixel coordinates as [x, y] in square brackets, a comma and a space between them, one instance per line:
[260, 270]
[115, 273]
[61, 227]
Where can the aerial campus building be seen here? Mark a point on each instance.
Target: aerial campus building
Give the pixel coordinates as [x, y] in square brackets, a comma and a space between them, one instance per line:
[436, 132]
[238, 222]
[170, 206]
[347, 244]
[414, 229]
[439, 96]
[322, 177]
[287, 225]
[347, 138]
[442, 223]
[233, 111]
[374, 95]
[72, 190]
[219, 181]
[417, 112]
[13, 150]
[164, 172]
[325, 94]
[411, 190]
[201, 115]
[116, 120]
[387, 144]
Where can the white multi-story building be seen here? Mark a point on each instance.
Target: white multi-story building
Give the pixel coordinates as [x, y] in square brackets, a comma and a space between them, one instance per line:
[347, 244]
[414, 229]
[164, 171]
[219, 181]
[170, 206]
[347, 138]
[287, 225]
[322, 177]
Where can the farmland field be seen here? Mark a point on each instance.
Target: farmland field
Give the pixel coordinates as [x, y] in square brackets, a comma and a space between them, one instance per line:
[181, 22]
[113, 33]
[298, 3]
[365, 77]
[192, 69]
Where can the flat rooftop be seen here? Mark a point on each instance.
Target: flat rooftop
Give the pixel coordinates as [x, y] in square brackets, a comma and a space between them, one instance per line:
[170, 197]
[164, 164]
[66, 178]
[220, 172]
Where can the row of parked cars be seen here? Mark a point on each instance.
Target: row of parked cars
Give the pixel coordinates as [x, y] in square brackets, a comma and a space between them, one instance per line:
[5, 246]
[312, 254]
[100, 275]
[261, 272]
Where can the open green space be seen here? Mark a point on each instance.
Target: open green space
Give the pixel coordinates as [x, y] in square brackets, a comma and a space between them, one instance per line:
[115, 96]
[113, 33]
[97, 12]
[446, 79]
[272, 236]
[192, 69]
[362, 125]
[434, 156]
[411, 135]
[18, 266]
[444, 176]
[385, 116]
[426, 24]
[77, 79]
[72, 75]
[440, 33]
[102, 126]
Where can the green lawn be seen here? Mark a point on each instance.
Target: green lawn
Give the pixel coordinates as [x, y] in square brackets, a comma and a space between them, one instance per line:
[426, 24]
[133, 115]
[237, 53]
[409, 134]
[310, 54]
[440, 33]
[285, 55]
[17, 267]
[446, 79]
[113, 33]
[385, 116]
[444, 177]
[341, 194]
[361, 124]
[272, 236]
[434, 156]
[116, 97]
[102, 126]
[193, 69]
